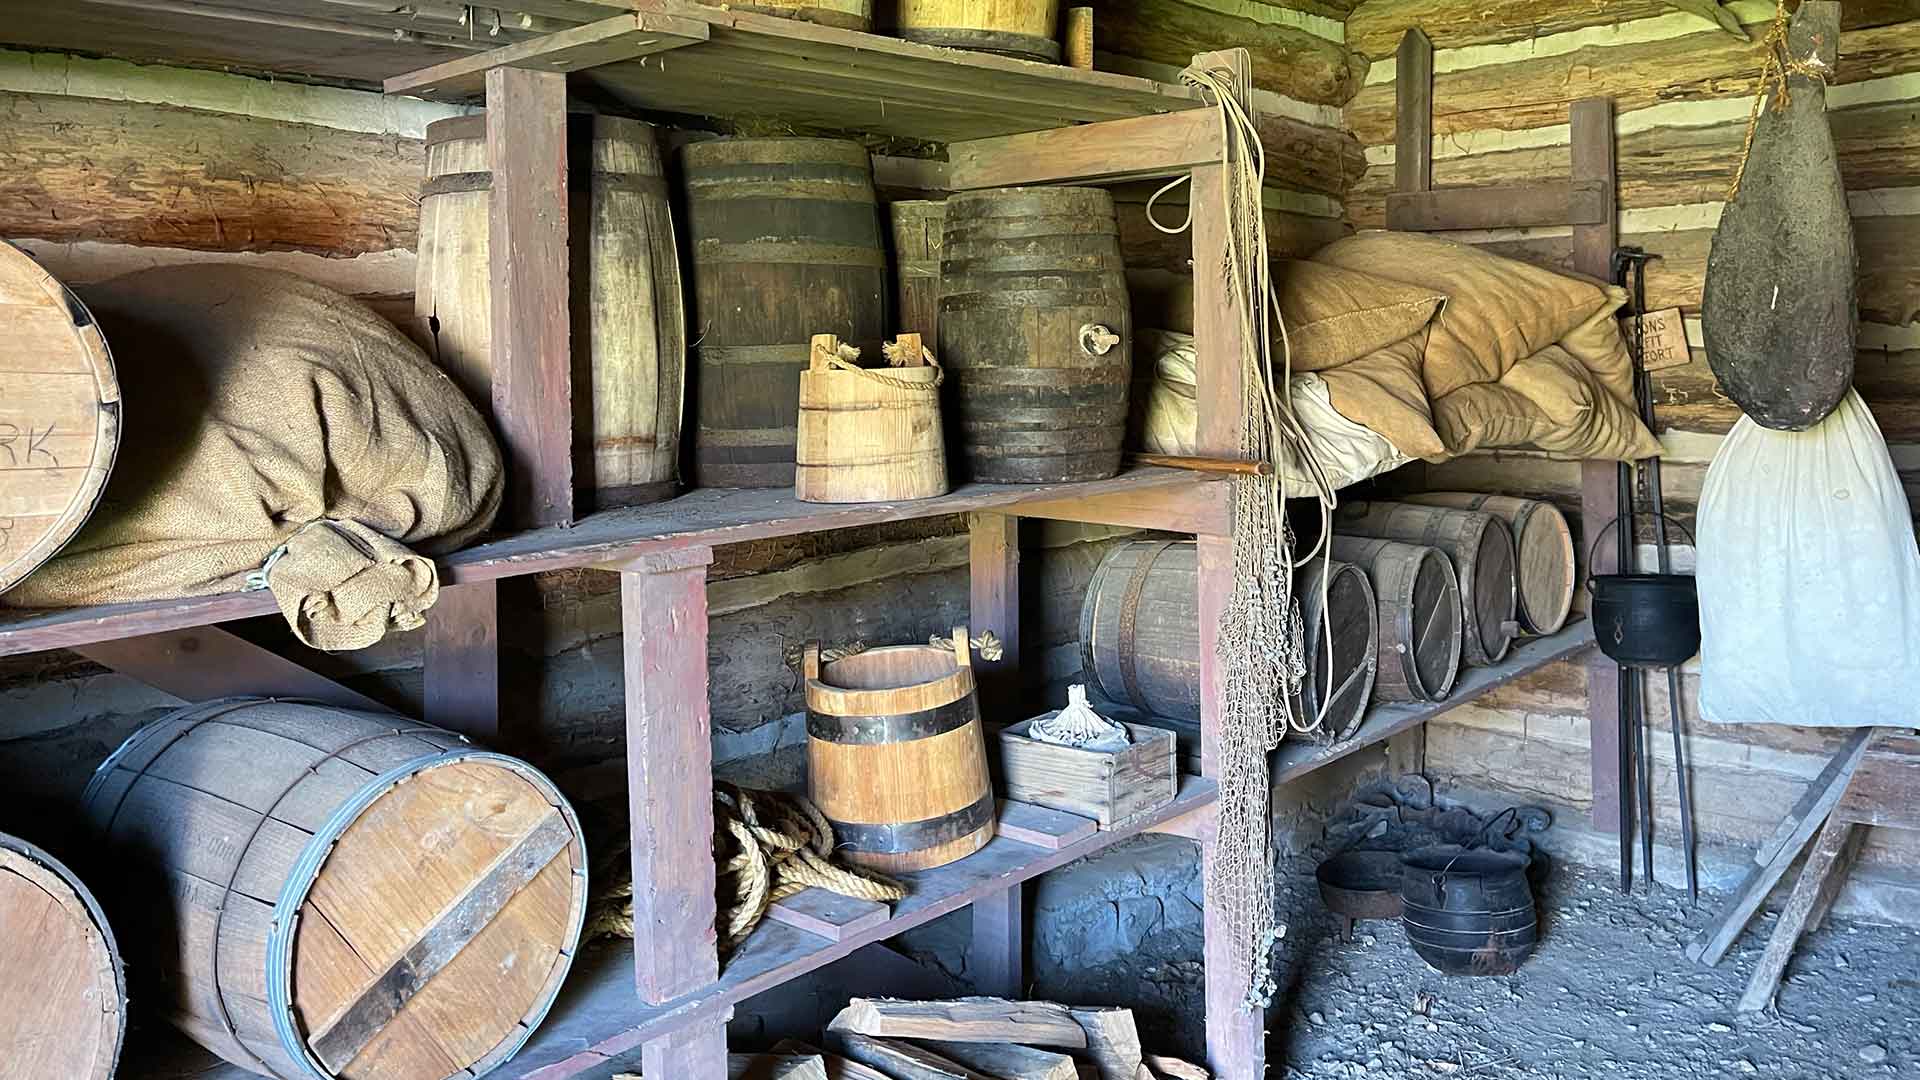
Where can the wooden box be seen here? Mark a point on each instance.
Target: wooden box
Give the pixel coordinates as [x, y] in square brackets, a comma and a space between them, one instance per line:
[1108, 786]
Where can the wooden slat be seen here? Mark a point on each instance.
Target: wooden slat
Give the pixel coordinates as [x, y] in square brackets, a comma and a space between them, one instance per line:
[1545, 203]
[1200, 509]
[1138, 148]
[670, 770]
[973, 1019]
[1413, 121]
[210, 663]
[829, 915]
[1041, 827]
[460, 661]
[904, 1061]
[527, 243]
[1820, 881]
[623, 37]
[1007, 1061]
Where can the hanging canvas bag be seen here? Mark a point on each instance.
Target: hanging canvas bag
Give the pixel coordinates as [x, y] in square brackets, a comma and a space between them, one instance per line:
[1809, 578]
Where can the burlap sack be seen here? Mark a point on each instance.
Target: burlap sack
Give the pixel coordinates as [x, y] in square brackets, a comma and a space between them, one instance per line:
[1335, 315]
[277, 435]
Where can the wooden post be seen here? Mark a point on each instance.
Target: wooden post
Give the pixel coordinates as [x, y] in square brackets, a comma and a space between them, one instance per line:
[663, 602]
[527, 234]
[1413, 109]
[994, 554]
[999, 956]
[698, 1052]
[460, 661]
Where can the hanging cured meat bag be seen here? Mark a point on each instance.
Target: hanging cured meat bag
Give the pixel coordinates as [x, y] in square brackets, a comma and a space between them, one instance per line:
[1779, 306]
[1809, 578]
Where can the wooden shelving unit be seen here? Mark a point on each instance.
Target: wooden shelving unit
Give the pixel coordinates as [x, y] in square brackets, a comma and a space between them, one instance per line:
[1004, 122]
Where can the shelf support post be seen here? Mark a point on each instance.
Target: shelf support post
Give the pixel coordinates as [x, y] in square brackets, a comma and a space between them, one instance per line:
[460, 661]
[663, 605]
[999, 956]
[527, 246]
[999, 930]
[697, 1052]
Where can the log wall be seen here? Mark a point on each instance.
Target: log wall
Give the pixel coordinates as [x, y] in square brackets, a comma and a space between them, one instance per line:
[1682, 92]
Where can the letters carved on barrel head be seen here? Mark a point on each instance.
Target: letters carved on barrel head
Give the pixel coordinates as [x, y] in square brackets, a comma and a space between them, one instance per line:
[1036, 331]
[786, 244]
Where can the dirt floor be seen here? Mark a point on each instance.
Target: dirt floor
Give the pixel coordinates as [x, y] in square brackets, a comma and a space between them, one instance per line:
[1608, 995]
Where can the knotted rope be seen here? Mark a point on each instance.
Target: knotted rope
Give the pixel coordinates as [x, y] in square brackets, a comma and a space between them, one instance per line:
[984, 643]
[1774, 70]
[848, 359]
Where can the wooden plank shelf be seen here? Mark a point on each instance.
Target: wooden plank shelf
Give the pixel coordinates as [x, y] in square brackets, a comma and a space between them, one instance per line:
[1148, 496]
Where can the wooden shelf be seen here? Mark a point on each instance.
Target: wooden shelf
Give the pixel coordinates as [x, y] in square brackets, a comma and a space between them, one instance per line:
[1149, 497]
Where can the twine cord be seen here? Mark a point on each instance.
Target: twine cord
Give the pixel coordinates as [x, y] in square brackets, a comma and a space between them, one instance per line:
[1774, 70]
[848, 359]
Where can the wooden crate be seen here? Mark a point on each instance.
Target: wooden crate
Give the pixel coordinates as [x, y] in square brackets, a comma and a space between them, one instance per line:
[1108, 786]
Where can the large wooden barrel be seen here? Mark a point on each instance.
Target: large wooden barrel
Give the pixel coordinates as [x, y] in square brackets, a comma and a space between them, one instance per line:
[321, 892]
[1479, 546]
[1024, 28]
[845, 14]
[1334, 694]
[629, 320]
[1419, 616]
[917, 225]
[59, 415]
[1036, 332]
[786, 245]
[869, 434]
[1543, 546]
[63, 995]
[896, 758]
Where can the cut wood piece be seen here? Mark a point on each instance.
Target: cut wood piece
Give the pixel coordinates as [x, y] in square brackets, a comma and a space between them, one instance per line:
[1113, 1041]
[63, 1003]
[776, 1066]
[971, 1019]
[1173, 1068]
[1042, 827]
[904, 1061]
[838, 1068]
[827, 914]
[1819, 881]
[1007, 1061]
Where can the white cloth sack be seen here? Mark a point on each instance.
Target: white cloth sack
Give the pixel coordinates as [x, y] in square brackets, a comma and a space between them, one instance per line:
[1809, 578]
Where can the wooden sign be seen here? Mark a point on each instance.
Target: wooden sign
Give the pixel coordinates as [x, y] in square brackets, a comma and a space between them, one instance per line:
[1663, 341]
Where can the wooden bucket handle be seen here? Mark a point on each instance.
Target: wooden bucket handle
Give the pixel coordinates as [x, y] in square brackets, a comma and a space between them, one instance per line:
[810, 661]
[962, 647]
[826, 348]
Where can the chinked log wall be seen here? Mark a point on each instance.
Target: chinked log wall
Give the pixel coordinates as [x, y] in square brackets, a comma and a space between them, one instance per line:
[1682, 90]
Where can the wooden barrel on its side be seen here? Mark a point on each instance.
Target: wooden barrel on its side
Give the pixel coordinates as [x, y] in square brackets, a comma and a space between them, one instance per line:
[1419, 616]
[917, 225]
[1036, 332]
[1027, 29]
[845, 14]
[315, 891]
[896, 758]
[786, 244]
[63, 1000]
[59, 415]
[629, 320]
[1140, 628]
[1543, 548]
[1479, 546]
[1337, 606]
[869, 434]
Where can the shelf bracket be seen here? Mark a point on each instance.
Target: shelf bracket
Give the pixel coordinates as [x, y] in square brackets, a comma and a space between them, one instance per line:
[208, 663]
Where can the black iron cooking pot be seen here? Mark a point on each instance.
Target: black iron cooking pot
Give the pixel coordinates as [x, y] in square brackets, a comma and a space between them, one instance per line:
[1468, 912]
[1645, 620]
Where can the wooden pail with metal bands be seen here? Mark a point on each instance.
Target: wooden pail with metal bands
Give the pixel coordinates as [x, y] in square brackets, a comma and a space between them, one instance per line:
[896, 758]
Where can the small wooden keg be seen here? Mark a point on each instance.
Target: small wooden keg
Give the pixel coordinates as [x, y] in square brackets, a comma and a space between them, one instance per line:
[1023, 28]
[845, 14]
[1140, 628]
[63, 1000]
[895, 755]
[1337, 606]
[1036, 333]
[319, 892]
[1419, 616]
[917, 225]
[1543, 546]
[869, 434]
[629, 320]
[59, 415]
[786, 244]
[1479, 546]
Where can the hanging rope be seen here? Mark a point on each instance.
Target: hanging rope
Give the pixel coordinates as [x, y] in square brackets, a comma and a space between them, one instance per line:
[1774, 69]
[769, 846]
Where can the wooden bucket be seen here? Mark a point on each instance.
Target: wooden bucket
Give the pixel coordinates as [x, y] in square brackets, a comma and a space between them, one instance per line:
[1543, 546]
[917, 225]
[1479, 546]
[1024, 28]
[895, 755]
[1419, 616]
[869, 434]
[59, 415]
[320, 892]
[629, 323]
[1334, 696]
[1036, 333]
[63, 1003]
[845, 14]
[786, 245]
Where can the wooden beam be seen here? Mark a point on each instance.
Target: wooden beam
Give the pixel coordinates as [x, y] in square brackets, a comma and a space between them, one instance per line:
[209, 663]
[971, 1019]
[527, 237]
[998, 960]
[1819, 883]
[1197, 508]
[1550, 202]
[663, 602]
[1136, 148]
[1413, 121]
[698, 1052]
[460, 661]
[623, 37]
[993, 542]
